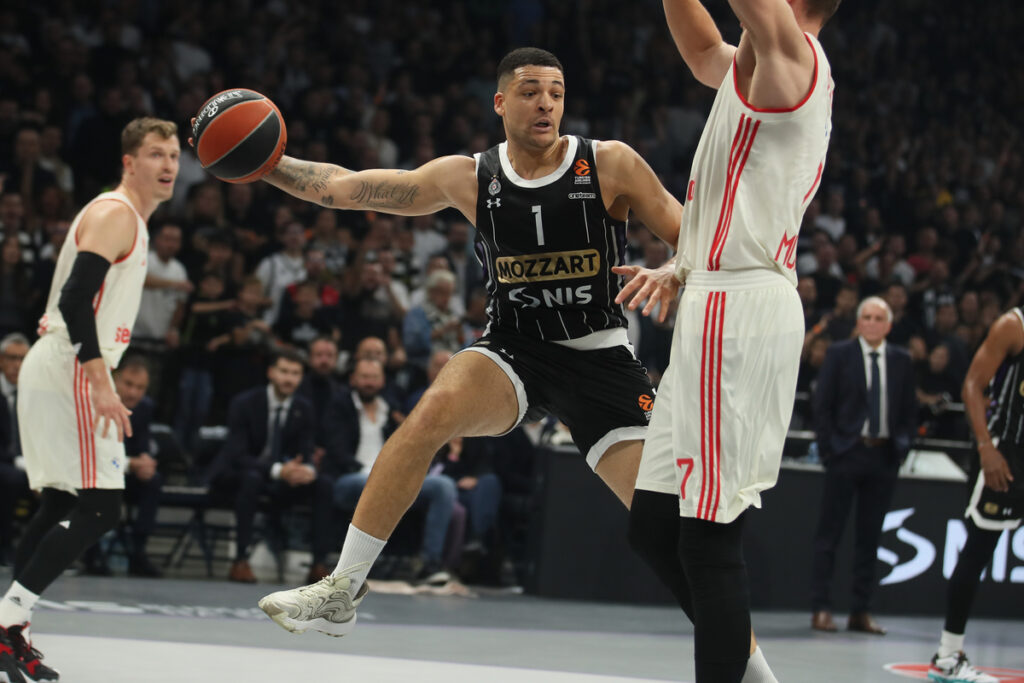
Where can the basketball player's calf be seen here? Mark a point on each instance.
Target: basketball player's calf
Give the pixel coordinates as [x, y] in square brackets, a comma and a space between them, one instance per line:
[43, 555]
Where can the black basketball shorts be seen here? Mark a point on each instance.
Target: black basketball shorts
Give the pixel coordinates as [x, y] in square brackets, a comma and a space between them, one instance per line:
[603, 396]
[996, 510]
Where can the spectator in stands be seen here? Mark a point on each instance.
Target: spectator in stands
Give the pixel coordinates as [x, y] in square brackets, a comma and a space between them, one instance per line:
[25, 175]
[143, 482]
[205, 330]
[269, 451]
[166, 290]
[402, 378]
[303, 318]
[904, 325]
[433, 326]
[865, 418]
[461, 259]
[333, 241]
[17, 299]
[282, 268]
[245, 354]
[319, 386]
[368, 310]
[832, 221]
[13, 480]
[361, 422]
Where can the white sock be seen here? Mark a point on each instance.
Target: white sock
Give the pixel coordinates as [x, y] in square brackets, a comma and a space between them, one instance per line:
[358, 554]
[16, 605]
[950, 643]
[758, 670]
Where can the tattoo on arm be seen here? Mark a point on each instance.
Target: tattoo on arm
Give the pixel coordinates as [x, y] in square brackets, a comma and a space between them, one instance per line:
[303, 175]
[385, 195]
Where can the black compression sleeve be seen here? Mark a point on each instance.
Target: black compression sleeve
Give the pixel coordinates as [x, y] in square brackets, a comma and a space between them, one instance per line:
[75, 303]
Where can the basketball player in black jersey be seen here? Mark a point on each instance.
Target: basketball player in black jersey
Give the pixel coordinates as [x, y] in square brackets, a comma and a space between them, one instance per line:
[550, 213]
[997, 493]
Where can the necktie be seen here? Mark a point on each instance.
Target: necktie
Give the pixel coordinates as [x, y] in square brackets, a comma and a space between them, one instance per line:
[276, 437]
[875, 398]
[15, 436]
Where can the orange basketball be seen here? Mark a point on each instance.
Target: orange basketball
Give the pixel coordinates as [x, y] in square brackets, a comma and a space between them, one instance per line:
[239, 135]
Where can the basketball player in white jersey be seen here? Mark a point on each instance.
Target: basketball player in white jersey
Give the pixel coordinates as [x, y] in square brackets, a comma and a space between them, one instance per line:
[72, 423]
[724, 404]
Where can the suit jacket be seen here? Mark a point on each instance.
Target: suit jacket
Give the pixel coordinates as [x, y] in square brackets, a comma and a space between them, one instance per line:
[141, 419]
[248, 426]
[343, 434]
[841, 399]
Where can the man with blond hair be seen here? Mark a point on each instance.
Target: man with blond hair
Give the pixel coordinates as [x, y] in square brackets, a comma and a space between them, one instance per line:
[72, 423]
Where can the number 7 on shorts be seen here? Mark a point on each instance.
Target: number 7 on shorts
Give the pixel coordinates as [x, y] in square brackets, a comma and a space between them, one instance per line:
[688, 462]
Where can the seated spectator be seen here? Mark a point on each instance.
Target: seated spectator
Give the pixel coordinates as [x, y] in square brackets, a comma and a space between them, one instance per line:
[320, 386]
[475, 321]
[244, 355]
[205, 330]
[269, 451]
[16, 295]
[303, 318]
[13, 480]
[143, 482]
[282, 268]
[937, 387]
[433, 326]
[904, 325]
[402, 378]
[469, 462]
[361, 422]
[368, 309]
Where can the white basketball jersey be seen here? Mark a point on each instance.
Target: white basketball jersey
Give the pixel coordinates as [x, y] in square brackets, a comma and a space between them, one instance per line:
[754, 173]
[117, 302]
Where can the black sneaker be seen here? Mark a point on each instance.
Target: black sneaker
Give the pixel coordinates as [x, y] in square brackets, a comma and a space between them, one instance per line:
[9, 669]
[29, 659]
[432, 573]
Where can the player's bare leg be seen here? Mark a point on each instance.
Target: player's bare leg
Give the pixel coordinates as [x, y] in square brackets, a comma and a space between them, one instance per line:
[618, 467]
[471, 396]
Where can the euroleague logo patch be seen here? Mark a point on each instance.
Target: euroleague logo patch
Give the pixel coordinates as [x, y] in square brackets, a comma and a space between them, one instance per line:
[582, 167]
[646, 404]
[920, 672]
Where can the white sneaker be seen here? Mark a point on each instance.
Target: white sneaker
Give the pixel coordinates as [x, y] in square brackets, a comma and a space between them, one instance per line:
[956, 669]
[326, 606]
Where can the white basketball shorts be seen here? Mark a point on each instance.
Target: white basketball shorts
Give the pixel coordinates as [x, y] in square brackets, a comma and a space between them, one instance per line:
[62, 444]
[724, 404]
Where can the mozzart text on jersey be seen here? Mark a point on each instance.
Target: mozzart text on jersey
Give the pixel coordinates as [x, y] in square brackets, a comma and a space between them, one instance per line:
[557, 265]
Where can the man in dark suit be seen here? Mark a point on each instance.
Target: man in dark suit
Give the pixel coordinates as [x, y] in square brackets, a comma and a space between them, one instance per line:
[13, 480]
[864, 414]
[269, 451]
[319, 386]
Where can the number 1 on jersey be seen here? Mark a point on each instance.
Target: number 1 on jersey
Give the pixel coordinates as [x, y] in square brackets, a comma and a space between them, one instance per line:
[540, 225]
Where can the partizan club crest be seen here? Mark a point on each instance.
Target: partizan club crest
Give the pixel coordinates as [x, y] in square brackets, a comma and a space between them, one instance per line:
[495, 187]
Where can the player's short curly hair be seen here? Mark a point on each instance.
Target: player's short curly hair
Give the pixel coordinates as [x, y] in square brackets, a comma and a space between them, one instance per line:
[137, 129]
[526, 56]
[822, 8]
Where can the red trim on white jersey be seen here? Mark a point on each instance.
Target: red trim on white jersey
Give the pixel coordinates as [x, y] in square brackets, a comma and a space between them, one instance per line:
[135, 241]
[704, 407]
[737, 161]
[783, 110]
[814, 185]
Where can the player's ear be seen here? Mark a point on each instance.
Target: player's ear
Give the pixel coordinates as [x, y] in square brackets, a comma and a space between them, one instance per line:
[499, 103]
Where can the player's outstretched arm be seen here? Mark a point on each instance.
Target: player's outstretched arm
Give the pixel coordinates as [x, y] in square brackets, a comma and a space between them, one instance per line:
[436, 185]
[699, 41]
[1005, 340]
[625, 176]
[785, 61]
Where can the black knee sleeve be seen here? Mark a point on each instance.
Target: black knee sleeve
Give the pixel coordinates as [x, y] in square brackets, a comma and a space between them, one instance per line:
[54, 505]
[712, 557]
[653, 535]
[97, 511]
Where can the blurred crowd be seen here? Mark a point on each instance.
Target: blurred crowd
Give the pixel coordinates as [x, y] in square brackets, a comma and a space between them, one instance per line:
[921, 201]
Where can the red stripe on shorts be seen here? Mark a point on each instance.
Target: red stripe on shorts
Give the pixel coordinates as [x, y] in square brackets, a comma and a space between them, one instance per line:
[703, 406]
[718, 411]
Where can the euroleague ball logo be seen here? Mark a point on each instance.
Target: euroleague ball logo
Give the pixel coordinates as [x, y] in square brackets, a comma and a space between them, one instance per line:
[213, 106]
[646, 404]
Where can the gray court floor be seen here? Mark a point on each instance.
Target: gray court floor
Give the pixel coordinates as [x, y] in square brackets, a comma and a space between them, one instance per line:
[123, 629]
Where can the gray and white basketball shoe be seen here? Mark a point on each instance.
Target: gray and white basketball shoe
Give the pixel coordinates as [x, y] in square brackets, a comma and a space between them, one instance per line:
[327, 606]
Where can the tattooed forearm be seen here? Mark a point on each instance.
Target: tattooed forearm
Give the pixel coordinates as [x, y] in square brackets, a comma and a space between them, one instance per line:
[385, 195]
[301, 176]
[326, 173]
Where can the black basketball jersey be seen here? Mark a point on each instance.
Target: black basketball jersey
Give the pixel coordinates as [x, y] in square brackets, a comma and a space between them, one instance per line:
[547, 246]
[1006, 416]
